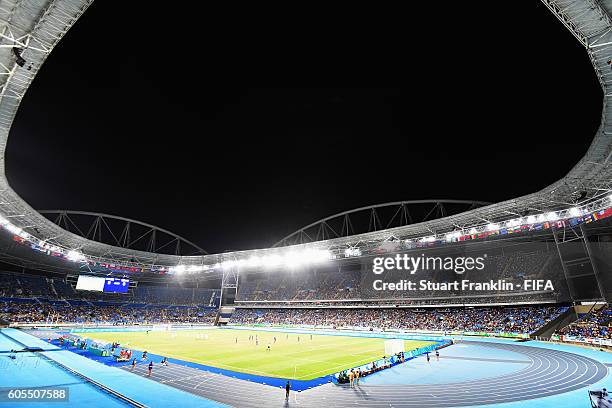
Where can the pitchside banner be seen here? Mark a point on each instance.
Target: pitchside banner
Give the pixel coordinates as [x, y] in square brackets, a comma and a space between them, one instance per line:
[536, 270]
[585, 340]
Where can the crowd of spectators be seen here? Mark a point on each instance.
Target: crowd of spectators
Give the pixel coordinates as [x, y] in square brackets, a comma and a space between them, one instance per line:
[14, 285]
[305, 285]
[595, 324]
[23, 285]
[488, 299]
[22, 312]
[509, 320]
[354, 282]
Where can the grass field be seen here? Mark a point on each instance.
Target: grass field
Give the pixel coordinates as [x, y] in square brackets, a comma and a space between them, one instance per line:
[287, 358]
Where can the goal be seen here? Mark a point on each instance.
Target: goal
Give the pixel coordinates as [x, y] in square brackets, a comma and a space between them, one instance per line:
[393, 347]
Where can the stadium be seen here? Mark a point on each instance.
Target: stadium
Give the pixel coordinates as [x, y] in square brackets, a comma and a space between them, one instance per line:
[423, 302]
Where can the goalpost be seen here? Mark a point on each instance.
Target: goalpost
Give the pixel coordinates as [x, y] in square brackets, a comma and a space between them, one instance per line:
[393, 347]
[162, 327]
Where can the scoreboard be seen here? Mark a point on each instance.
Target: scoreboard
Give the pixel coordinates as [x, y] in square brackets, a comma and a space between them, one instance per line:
[99, 284]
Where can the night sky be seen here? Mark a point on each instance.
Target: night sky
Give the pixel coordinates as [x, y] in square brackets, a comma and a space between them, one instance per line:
[234, 127]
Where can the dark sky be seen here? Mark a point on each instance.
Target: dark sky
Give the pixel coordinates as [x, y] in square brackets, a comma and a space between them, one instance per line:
[234, 127]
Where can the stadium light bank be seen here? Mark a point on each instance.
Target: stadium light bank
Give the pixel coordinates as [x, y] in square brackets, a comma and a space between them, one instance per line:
[295, 258]
[289, 259]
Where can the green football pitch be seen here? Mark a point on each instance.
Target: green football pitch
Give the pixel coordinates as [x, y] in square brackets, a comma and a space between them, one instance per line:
[232, 350]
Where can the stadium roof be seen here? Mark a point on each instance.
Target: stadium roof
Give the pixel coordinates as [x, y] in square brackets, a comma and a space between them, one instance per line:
[32, 28]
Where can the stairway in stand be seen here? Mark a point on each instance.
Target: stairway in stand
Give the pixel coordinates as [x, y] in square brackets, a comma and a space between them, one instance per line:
[224, 314]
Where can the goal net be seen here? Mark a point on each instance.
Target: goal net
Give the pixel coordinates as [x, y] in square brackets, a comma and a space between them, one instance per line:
[393, 347]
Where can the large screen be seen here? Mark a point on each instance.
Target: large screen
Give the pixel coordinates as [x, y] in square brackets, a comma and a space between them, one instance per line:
[97, 284]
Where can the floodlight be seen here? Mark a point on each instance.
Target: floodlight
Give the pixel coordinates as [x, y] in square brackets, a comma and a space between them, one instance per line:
[541, 218]
[575, 212]
[292, 259]
[271, 260]
[75, 256]
[178, 269]
[515, 222]
[319, 255]
[228, 264]
[453, 235]
[253, 261]
[552, 216]
[15, 230]
[531, 219]
[492, 227]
